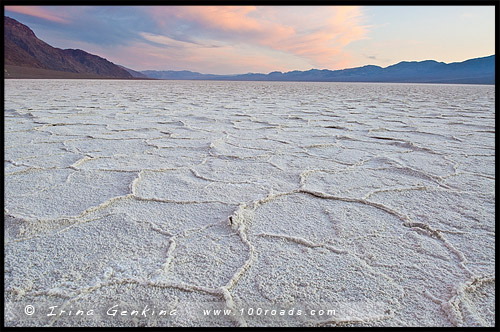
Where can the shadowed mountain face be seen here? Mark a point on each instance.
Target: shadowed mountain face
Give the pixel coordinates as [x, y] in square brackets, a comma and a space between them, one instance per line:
[27, 56]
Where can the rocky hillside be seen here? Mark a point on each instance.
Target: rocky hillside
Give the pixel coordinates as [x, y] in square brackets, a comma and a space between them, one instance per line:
[27, 56]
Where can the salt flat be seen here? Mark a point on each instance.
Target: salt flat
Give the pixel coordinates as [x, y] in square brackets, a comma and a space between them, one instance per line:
[374, 200]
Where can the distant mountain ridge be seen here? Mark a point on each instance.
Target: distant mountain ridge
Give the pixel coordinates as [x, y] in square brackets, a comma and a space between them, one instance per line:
[26, 56]
[134, 73]
[472, 71]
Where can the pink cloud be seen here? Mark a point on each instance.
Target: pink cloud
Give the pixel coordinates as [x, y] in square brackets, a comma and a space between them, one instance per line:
[37, 11]
[221, 17]
[317, 34]
[336, 28]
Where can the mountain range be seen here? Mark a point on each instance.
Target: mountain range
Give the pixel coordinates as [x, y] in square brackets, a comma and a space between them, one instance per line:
[26, 56]
[473, 71]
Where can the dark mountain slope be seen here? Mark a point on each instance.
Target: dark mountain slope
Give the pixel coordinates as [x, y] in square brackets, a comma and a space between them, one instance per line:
[24, 52]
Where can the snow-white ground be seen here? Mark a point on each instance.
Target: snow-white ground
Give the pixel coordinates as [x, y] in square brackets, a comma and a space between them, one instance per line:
[373, 200]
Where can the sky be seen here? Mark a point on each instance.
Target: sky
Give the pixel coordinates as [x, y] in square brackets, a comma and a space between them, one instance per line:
[262, 39]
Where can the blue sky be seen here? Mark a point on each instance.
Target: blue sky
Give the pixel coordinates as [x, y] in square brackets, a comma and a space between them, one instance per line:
[241, 39]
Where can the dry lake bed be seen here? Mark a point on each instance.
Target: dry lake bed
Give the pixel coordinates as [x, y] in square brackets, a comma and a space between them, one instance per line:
[188, 203]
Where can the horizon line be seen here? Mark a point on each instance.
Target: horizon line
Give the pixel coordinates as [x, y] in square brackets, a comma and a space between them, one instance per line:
[296, 70]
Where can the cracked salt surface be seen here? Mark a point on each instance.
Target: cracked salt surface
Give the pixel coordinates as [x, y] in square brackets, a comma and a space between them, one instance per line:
[375, 200]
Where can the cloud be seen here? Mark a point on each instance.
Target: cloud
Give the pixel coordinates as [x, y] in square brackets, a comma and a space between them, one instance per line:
[226, 18]
[39, 12]
[317, 34]
[166, 41]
